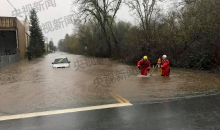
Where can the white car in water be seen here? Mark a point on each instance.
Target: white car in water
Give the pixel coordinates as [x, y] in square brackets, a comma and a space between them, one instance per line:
[61, 62]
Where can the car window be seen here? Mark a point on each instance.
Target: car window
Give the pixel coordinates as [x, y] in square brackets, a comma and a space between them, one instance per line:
[61, 60]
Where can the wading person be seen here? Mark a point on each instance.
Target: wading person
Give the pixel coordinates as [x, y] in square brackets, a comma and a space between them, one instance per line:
[144, 65]
[165, 66]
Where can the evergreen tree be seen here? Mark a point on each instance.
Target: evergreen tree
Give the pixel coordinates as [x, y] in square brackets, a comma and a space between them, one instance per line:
[51, 46]
[36, 44]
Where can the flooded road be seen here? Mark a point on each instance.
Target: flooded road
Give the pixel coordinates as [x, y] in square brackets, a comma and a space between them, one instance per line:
[34, 86]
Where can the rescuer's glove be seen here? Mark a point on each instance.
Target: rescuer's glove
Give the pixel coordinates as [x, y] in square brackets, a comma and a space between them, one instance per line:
[139, 67]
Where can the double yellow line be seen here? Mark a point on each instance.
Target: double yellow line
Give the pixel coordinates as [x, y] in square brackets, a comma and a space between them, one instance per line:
[119, 98]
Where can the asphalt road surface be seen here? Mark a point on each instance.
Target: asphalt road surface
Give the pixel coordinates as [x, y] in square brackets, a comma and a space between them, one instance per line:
[201, 113]
[96, 93]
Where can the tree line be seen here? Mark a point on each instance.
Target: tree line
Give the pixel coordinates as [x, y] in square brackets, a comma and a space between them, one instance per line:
[188, 34]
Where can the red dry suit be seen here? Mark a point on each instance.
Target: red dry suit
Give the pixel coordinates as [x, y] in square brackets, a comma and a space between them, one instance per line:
[145, 66]
[165, 65]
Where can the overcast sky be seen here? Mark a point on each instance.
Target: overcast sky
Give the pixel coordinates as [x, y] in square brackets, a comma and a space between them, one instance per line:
[58, 10]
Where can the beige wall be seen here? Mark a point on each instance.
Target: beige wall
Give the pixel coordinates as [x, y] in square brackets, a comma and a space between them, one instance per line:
[21, 39]
[27, 38]
[46, 45]
[27, 31]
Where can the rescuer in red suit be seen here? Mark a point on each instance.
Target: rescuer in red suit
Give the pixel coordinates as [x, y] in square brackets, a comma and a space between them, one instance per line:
[144, 65]
[165, 66]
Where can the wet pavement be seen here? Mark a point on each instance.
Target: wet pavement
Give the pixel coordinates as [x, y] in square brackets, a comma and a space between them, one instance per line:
[189, 114]
[34, 86]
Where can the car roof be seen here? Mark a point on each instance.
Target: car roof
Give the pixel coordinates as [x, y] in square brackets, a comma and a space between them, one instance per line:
[61, 57]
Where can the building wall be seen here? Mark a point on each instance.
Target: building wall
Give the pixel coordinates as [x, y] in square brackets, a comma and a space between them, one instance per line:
[14, 34]
[27, 40]
[7, 34]
[27, 31]
[46, 45]
[9, 59]
[8, 42]
[21, 39]
[7, 23]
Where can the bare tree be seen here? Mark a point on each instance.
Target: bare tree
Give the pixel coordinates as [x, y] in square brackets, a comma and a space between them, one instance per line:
[144, 10]
[103, 11]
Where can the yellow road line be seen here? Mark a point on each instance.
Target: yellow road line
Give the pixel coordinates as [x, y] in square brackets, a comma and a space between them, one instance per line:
[119, 98]
[125, 100]
[116, 98]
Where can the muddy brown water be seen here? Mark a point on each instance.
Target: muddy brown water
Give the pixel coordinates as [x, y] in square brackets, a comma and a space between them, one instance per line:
[33, 86]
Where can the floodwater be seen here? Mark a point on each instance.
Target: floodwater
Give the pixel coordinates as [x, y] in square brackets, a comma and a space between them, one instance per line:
[33, 86]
